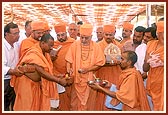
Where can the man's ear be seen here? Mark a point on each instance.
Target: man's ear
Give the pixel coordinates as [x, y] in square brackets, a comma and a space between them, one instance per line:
[42, 42]
[6, 33]
[129, 62]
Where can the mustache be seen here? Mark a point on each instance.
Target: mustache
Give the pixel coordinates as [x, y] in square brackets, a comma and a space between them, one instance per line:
[62, 40]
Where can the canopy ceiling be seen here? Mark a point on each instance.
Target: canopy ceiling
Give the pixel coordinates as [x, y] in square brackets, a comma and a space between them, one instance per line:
[95, 13]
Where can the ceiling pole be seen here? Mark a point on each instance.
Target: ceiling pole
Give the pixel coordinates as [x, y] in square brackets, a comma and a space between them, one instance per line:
[137, 19]
[75, 19]
[12, 15]
[148, 14]
[70, 14]
[155, 9]
[70, 17]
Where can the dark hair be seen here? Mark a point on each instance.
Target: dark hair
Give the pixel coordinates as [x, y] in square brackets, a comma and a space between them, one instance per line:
[46, 37]
[27, 23]
[8, 27]
[161, 19]
[132, 56]
[153, 25]
[80, 23]
[152, 30]
[140, 29]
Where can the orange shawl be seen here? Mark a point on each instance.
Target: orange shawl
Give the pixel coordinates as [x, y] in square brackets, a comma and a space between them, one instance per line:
[95, 58]
[60, 63]
[131, 91]
[26, 44]
[155, 80]
[34, 55]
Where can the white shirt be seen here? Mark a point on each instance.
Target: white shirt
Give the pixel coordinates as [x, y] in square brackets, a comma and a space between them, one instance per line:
[11, 57]
[21, 38]
[141, 52]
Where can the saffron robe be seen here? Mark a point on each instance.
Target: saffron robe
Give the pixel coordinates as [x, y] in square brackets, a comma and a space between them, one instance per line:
[30, 95]
[59, 66]
[155, 79]
[110, 73]
[131, 91]
[82, 96]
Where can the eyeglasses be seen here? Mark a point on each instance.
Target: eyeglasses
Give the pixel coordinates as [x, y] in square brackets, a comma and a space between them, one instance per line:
[73, 29]
[86, 38]
[16, 33]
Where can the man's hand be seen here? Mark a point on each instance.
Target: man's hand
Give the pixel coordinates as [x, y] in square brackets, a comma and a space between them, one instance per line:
[95, 86]
[65, 79]
[27, 68]
[70, 71]
[83, 70]
[16, 72]
[144, 75]
[155, 60]
[69, 80]
[62, 81]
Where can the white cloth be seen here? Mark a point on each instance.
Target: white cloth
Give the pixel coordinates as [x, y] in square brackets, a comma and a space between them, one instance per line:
[21, 38]
[60, 88]
[11, 57]
[54, 103]
[155, 60]
[141, 52]
[108, 100]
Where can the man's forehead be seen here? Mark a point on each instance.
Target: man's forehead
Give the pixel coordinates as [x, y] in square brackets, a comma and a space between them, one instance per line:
[72, 26]
[100, 29]
[84, 35]
[60, 33]
[39, 30]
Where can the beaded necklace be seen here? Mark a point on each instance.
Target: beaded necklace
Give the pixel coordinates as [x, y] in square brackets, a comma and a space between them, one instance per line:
[85, 50]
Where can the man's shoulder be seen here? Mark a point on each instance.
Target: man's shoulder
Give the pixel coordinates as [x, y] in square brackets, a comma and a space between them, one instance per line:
[129, 42]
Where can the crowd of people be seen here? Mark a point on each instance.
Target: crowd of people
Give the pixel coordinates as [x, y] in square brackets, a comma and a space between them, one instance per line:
[42, 73]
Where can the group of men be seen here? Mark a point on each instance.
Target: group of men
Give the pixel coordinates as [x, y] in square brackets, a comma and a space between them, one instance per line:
[43, 74]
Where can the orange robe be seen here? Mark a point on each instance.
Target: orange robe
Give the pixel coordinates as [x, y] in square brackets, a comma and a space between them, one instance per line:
[60, 68]
[131, 91]
[82, 96]
[26, 44]
[110, 73]
[30, 95]
[155, 80]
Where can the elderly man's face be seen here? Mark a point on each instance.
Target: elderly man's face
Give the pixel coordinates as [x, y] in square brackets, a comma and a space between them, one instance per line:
[99, 33]
[73, 31]
[85, 40]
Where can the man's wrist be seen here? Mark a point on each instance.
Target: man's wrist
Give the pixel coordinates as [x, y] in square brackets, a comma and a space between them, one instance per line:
[58, 80]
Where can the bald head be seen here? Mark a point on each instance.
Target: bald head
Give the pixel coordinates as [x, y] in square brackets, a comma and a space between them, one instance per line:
[73, 30]
[99, 32]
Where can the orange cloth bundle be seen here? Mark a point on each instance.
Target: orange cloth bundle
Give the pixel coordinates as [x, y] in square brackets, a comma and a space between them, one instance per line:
[128, 26]
[86, 29]
[60, 28]
[46, 26]
[109, 28]
[37, 25]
